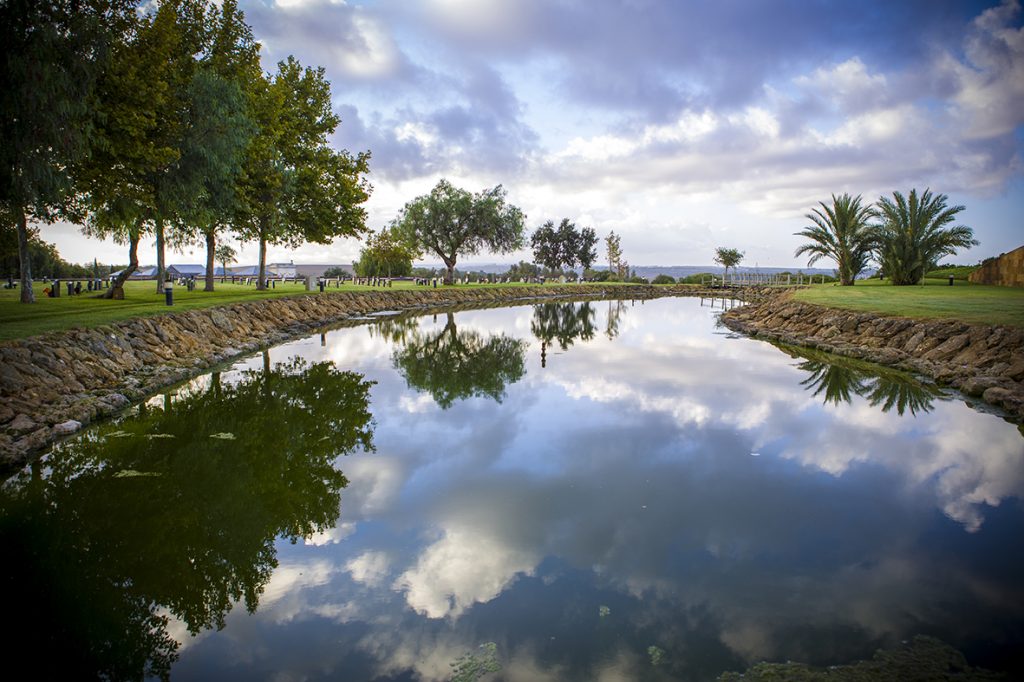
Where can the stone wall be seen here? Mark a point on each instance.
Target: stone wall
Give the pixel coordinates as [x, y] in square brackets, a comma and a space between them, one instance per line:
[980, 360]
[1005, 271]
[51, 385]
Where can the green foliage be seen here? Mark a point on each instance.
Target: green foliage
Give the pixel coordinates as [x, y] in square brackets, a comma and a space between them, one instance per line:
[523, 269]
[473, 666]
[453, 365]
[336, 271]
[837, 379]
[613, 247]
[225, 254]
[636, 279]
[959, 272]
[54, 51]
[728, 258]
[174, 511]
[699, 278]
[450, 222]
[564, 246]
[597, 275]
[840, 232]
[915, 233]
[562, 323]
[385, 255]
[922, 658]
[663, 279]
[294, 187]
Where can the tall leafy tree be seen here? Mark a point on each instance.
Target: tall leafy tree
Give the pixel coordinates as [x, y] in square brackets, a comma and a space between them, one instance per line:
[294, 188]
[450, 222]
[219, 127]
[53, 52]
[564, 246]
[915, 233]
[840, 232]
[728, 258]
[134, 177]
[613, 244]
[385, 255]
[225, 253]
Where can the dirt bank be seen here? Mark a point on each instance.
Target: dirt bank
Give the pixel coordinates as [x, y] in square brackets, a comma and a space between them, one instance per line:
[51, 385]
[979, 360]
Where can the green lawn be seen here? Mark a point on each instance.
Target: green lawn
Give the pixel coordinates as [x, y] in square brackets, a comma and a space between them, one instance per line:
[18, 320]
[973, 303]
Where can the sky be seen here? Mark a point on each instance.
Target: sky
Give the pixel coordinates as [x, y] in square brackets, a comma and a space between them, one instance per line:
[681, 126]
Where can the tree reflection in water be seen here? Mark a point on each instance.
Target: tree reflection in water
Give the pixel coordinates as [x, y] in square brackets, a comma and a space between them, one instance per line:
[451, 365]
[564, 323]
[173, 511]
[838, 380]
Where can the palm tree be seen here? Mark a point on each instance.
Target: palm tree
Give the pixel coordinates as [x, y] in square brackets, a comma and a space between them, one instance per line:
[913, 235]
[840, 232]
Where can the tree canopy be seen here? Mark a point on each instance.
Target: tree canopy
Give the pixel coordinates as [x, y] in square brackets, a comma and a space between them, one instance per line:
[53, 53]
[914, 234]
[294, 187]
[564, 246]
[385, 255]
[450, 222]
[841, 231]
[728, 258]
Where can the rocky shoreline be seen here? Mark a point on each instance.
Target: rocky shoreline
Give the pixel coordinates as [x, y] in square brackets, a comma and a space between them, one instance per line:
[979, 360]
[53, 384]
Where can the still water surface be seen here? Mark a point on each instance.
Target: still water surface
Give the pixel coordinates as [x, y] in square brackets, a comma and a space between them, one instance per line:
[599, 490]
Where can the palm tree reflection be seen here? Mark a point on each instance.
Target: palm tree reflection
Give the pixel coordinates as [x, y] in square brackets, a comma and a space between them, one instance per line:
[837, 380]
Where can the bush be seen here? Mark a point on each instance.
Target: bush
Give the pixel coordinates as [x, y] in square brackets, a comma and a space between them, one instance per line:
[637, 280]
[598, 275]
[664, 279]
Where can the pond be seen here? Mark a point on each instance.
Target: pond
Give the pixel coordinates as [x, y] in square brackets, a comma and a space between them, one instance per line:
[604, 490]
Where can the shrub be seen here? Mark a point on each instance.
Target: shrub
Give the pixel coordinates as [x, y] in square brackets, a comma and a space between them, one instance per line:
[664, 279]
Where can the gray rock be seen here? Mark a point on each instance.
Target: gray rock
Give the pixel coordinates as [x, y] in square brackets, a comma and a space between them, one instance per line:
[65, 428]
[21, 424]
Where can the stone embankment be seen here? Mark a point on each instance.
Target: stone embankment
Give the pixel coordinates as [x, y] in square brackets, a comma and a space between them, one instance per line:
[51, 385]
[979, 360]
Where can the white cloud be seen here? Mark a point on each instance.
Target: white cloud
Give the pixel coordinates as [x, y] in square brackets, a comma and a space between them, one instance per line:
[369, 568]
[466, 566]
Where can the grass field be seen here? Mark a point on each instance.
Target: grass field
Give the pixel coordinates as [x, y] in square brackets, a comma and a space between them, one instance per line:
[18, 320]
[973, 303]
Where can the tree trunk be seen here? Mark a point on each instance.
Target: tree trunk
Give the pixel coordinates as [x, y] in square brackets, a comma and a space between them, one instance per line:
[24, 260]
[260, 284]
[450, 264]
[211, 245]
[160, 269]
[116, 290]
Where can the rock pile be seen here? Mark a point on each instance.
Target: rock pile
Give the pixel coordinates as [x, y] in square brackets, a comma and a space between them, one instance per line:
[979, 360]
